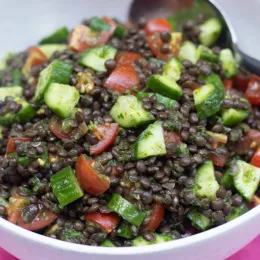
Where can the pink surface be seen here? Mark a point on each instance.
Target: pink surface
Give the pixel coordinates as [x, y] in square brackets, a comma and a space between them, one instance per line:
[250, 252]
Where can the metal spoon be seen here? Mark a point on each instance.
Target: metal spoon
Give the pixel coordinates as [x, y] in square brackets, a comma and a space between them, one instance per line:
[165, 8]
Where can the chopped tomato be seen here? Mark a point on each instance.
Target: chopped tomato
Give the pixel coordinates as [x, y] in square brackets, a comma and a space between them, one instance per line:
[217, 139]
[171, 137]
[241, 81]
[155, 44]
[91, 180]
[82, 37]
[10, 145]
[107, 221]
[218, 160]
[250, 141]
[106, 135]
[123, 79]
[126, 57]
[253, 90]
[17, 203]
[156, 217]
[256, 159]
[35, 58]
[56, 126]
[228, 84]
[157, 25]
[195, 87]
[254, 202]
[115, 172]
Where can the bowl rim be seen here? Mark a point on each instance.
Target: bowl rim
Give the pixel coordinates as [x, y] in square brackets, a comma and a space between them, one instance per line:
[124, 251]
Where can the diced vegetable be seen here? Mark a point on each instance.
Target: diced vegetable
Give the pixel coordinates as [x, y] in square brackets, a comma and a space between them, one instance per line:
[219, 160]
[123, 79]
[90, 179]
[150, 142]
[217, 138]
[61, 99]
[49, 49]
[253, 90]
[120, 32]
[255, 161]
[210, 31]
[4, 60]
[10, 145]
[188, 52]
[227, 180]
[165, 86]
[159, 238]
[128, 112]
[95, 58]
[246, 179]
[208, 98]
[124, 231]
[126, 57]
[108, 221]
[229, 63]
[98, 25]
[57, 72]
[156, 217]
[204, 53]
[59, 36]
[65, 186]
[199, 221]
[3, 202]
[107, 243]
[126, 210]
[206, 185]
[157, 25]
[237, 212]
[172, 69]
[14, 91]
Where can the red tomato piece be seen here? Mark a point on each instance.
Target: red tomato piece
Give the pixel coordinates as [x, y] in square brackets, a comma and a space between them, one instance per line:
[106, 135]
[241, 81]
[171, 137]
[123, 79]
[157, 25]
[10, 145]
[156, 217]
[250, 141]
[254, 202]
[256, 159]
[91, 180]
[228, 84]
[126, 57]
[218, 160]
[155, 44]
[107, 221]
[115, 172]
[35, 58]
[82, 37]
[17, 203]
[195, 87]
[55, 125]
[253, 90]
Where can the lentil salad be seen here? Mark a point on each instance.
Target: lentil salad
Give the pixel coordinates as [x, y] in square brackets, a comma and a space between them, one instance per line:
[116, 135]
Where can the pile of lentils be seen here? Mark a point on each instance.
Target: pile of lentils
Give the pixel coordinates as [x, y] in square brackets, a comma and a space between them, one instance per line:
[144, 182]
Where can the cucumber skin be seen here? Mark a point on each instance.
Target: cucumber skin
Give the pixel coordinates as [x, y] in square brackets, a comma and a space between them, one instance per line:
[213, 103]
[229, 64]
[157, 84]
[107, 243]
[49, 49]
[198, 220]
[232, 116]
[59, 36]
[57, 72]
[188, 52]
[159, 238]
[14, 91]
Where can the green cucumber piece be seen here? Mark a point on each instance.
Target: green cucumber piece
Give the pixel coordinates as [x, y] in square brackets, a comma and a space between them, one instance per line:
[165, 86]
[126, 210]
[95, 58]
[57, 72]
[98, 25]
[188, 52]
[159, 238]
[234, 116]
[120, 32]
[128, 112]
[208, 98]
[61, 99]
[229, 63]
[3, 202]
[65, 186]
[172, 69]
[49, 49]
[107, 243]
[204, 53]
[206, 185]
[150, 142]
[25, 114]
[246, 179]
[167, 102]
[210, 32]
[15, 91]
[227, 180]
[17, 77]
[124, 231]
[199, 221]
[237, 212]
[59, 36]
[4, 60]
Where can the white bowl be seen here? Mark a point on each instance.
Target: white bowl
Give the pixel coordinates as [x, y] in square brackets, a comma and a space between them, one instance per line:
[22, 24]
